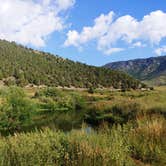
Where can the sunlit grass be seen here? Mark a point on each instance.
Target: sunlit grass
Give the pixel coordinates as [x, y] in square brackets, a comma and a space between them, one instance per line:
[129, 128]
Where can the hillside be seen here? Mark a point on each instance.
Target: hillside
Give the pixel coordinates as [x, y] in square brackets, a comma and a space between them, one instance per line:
[150, 70]
[23, 66]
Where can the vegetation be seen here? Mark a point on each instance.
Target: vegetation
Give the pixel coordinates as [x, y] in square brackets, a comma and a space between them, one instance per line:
[51, 126]
[141, 144]
[22, 66]
[15, 111]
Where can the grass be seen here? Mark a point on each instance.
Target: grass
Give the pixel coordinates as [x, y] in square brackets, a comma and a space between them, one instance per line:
[129, 128]
[121, 145]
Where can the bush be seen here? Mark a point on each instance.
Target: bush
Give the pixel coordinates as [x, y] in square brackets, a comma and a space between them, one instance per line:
[16, 111]
[91, 90]
[151, 88]
[55, 100]
[49, 92]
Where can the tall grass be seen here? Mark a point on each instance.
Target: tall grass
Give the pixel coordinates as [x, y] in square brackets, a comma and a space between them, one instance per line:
[148, 140]
[125, 145]
[130, 128]
[56, 148]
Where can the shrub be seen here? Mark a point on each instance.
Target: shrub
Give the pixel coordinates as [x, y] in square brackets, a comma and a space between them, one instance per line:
[91, 90]
[49, 92]
[16, 111]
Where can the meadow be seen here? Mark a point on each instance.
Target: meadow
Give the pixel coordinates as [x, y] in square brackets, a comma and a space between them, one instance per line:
[50, 126]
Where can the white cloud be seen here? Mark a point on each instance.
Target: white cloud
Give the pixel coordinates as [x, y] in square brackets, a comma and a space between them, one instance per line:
[64, 4]
[108, 31]
[161, 50]
[101, 26]
[31, 21]
[152, 27]
[138, 44]
[113, 50]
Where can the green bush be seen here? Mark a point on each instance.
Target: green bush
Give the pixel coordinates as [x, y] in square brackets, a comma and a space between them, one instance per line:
[49, 92]
[16, 111]
[91, 90]
[55, 99]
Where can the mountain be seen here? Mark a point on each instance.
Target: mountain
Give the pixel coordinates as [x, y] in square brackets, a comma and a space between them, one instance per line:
[151, 70]
[23, 66]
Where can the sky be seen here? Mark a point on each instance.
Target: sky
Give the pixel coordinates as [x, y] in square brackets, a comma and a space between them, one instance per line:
[94, 32]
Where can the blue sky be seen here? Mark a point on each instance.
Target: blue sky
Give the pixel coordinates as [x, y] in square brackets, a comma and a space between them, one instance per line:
[94, 32]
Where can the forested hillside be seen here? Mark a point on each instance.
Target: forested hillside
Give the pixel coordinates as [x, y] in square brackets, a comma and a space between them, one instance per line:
[23, 66]
[151, 70]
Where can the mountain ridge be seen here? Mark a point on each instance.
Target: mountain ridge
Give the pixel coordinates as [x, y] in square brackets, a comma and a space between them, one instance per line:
[150, 70]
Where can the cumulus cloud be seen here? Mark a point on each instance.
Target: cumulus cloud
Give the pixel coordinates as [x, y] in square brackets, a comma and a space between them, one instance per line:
[101, 26]
[108, 30]
[31, 21]
[161, 50]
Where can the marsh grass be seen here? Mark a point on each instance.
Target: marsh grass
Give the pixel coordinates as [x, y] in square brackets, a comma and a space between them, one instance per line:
[56, 148]
[129, 128]
[148, 140]
[117, 146]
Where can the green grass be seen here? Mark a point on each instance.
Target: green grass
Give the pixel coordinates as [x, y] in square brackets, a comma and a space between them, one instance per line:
[122, 145]
[43, 127]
